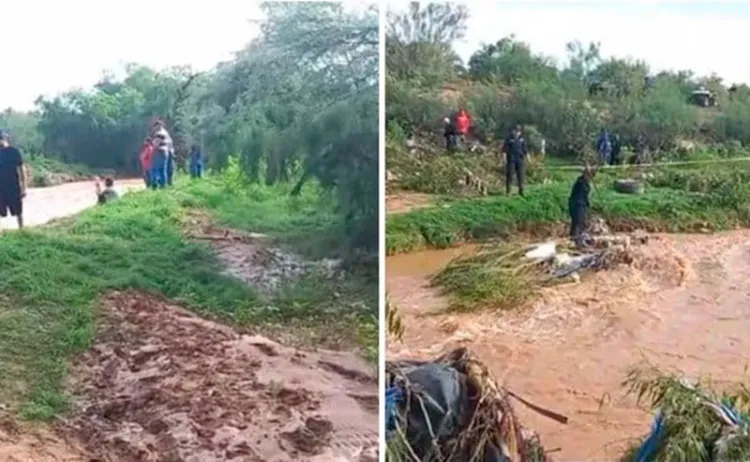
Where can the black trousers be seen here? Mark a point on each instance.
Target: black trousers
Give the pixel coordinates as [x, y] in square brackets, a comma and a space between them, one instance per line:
[517, 168]
[578, 214]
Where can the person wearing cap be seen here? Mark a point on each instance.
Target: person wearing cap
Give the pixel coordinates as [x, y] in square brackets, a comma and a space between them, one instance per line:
[578, 204]
[515, 151]
[12, 180]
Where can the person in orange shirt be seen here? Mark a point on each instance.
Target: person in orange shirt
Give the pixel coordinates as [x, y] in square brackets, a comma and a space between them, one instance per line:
[147, 152]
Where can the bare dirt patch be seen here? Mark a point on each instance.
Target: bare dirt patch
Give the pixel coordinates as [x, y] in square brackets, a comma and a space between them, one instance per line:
[405, 202]
[253, 259]
[161, 384]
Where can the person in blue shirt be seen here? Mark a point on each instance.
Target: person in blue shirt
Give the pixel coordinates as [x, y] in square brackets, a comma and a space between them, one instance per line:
[196, 161]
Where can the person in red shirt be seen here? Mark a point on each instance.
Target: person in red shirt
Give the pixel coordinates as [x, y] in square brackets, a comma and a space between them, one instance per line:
[145, 156]
[463, 122]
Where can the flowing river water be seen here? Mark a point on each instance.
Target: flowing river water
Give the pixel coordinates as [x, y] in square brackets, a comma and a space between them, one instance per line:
[683, 306]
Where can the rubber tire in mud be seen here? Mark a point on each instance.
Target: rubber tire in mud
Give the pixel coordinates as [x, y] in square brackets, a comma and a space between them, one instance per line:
[628, 186]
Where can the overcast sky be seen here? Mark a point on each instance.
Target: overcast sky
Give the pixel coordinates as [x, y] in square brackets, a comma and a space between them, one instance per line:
[50, 46]
[702, 36]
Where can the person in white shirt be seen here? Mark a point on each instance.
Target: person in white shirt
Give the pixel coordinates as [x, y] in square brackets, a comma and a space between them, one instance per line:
[158, 132]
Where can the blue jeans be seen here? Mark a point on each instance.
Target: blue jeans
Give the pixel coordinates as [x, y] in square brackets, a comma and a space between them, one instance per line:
[158, 175]
[196, 169]
[170, 170]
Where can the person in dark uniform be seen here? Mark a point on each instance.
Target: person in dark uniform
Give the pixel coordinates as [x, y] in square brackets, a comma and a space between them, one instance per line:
[578, 205]
[616, 150]
[514, 148]
[12, 180]
[451, 134]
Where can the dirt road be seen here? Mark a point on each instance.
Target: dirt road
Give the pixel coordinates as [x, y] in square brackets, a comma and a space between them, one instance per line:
[42, 205]
[683, 306]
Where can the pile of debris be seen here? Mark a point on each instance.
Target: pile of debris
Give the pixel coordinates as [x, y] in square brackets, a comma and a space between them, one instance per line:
[692, 422]
[598, 252]
[506, 275]
[452, 408]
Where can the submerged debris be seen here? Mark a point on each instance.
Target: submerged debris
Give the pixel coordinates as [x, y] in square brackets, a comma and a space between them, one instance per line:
[506, 275]
[452, 408]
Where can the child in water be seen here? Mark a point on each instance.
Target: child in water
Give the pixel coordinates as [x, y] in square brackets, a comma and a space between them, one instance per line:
[108, 194]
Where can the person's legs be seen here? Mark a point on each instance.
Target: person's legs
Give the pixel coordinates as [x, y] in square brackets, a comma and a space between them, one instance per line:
[578, 222]
[508, 176]
[170, 170]
[15, 205]
[157, 176]
[520, 168]
[199, 170]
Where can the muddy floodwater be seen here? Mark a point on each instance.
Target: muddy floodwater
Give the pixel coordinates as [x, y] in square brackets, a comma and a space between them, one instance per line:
[684, 306]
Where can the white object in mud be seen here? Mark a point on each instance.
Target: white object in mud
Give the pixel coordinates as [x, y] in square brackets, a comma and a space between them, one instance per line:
[542, 252]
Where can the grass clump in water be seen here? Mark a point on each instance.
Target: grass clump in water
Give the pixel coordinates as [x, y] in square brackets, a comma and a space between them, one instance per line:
[495, 277]
[693, 428]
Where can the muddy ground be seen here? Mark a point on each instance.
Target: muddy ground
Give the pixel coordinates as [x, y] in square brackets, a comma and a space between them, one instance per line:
[163, 384]
[682, 306]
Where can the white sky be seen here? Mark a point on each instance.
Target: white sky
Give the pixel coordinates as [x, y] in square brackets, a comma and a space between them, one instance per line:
[51, 45]
[705, 37]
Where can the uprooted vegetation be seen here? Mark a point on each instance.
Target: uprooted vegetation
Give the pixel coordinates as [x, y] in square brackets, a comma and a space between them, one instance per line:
[506, 276]
[693, 421]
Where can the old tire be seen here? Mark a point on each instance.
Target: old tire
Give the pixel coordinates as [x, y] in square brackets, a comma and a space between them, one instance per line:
[629, 186]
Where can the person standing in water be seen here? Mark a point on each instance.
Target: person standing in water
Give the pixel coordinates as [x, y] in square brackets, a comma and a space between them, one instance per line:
[12, 180]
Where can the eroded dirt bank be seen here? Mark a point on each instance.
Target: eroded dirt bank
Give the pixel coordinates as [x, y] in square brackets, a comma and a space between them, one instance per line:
[163, 384]
[684, 305]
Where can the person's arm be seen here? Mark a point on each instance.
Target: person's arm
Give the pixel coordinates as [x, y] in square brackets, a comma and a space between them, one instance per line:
[21, 168]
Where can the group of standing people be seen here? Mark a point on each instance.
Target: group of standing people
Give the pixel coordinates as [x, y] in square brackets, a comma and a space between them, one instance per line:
[157, 158]
[610, 148]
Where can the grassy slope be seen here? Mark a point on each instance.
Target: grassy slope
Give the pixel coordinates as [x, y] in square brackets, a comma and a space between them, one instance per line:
[51, 277]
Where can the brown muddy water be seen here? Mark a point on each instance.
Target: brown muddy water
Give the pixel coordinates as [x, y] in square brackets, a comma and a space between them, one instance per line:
[684, 306]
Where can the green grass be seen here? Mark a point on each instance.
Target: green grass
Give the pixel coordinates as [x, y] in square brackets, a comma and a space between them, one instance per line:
[51, 279]
[675, 200]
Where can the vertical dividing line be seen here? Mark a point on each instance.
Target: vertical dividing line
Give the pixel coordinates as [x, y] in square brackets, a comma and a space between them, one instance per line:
[381, 230]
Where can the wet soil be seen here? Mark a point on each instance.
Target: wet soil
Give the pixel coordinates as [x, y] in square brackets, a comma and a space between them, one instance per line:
[163, 384]
[682, 306]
